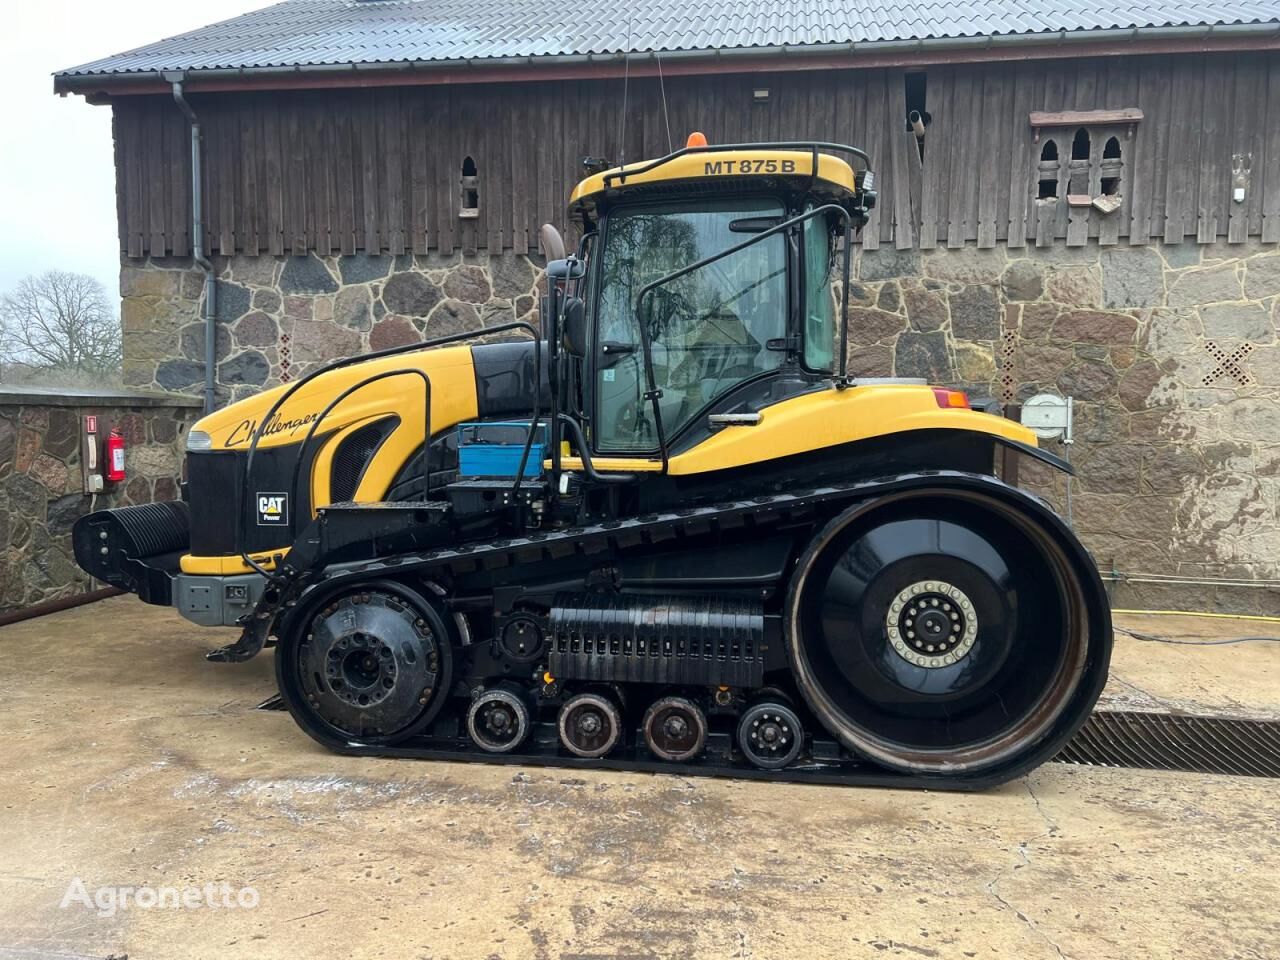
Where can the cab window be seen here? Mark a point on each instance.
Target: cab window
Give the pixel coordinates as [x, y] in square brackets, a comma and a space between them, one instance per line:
[709, 329]
[819, 324]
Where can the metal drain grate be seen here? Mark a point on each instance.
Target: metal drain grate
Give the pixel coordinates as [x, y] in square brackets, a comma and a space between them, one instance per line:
[1162, 741]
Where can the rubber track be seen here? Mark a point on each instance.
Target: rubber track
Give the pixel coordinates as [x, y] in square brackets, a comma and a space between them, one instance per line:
[719, 759]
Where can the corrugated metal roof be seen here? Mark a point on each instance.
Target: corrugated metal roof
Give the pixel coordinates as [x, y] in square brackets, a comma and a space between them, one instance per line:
[341, 32]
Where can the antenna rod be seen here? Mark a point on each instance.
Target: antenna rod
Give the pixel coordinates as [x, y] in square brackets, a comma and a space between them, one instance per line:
[666, 117]
[626, 82]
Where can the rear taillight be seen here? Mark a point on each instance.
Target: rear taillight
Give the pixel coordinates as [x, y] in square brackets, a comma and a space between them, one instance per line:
[951, 399]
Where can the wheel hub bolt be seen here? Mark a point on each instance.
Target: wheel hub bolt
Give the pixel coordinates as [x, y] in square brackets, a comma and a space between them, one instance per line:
[676, 727]
[589, 724]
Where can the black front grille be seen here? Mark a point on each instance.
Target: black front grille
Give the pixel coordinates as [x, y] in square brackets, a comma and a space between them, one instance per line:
[224, 520]
[353, 456]
[213, 493]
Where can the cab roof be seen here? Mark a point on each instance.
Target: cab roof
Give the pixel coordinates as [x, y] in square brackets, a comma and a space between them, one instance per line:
[753, 166]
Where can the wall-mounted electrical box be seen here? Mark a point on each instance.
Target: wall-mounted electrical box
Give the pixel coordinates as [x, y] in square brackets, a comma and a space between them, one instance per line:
[1049, 416]
[91, 455]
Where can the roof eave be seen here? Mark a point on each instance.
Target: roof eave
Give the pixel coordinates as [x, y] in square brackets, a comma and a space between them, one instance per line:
[1065, 43]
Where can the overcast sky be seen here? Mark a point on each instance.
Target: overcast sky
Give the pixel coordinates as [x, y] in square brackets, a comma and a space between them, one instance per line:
[57, 200]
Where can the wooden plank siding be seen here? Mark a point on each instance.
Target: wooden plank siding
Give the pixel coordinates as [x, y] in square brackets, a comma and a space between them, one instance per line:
[378, 170]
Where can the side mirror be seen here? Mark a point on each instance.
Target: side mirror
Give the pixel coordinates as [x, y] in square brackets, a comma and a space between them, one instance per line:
[551, 242]
[574, 334]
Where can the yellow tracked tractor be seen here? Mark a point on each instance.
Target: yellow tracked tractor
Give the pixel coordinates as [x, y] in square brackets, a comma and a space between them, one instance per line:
[663, 531]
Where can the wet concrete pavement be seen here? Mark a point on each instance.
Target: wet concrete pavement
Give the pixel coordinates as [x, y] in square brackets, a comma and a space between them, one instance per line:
[131, 761]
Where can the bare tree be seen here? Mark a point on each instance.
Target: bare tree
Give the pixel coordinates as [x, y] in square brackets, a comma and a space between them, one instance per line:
[60, 321]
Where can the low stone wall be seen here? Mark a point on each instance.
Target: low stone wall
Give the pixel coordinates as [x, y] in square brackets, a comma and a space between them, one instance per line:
[1170, 352]
[41, 480]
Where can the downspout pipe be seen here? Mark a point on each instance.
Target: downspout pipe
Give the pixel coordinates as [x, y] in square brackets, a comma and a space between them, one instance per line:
[210, 308]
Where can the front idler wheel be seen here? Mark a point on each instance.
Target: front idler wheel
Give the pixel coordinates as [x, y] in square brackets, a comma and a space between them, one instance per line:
[590, 725]
[368, 665]
[675, 729]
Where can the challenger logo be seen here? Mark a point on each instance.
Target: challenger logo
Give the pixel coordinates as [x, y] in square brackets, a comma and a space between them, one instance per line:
[244, 430]
[273, 509]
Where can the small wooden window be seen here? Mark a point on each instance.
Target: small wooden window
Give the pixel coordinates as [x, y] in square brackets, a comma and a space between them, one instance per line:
[470, 207]
[915, 89]
[1110, 168]
[1048, 171]
[1093, 178]
[1078, 169]
[1080, 145]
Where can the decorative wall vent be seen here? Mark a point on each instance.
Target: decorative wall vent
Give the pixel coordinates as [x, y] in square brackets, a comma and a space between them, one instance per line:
[286, 358]
[1008, 379]
[1229, 364]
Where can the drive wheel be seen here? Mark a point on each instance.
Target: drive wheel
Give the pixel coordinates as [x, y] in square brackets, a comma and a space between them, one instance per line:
[366, 665]
[947, 632]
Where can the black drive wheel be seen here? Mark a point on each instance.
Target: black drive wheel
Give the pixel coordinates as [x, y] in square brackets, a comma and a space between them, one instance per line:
[675, 729]
[498, 720]
[948, 632]
[590, 725]
[369, 665]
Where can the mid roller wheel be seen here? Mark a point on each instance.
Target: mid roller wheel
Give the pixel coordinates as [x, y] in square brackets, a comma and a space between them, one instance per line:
[949, 632]
[498, 720]
[590, 725]
[367, 665]
[675, 729]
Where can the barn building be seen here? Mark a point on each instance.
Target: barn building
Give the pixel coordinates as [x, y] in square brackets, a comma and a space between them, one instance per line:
[1083, 200]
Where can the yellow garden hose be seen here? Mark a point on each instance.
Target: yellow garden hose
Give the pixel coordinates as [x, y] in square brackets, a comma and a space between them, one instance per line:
[1187, 613]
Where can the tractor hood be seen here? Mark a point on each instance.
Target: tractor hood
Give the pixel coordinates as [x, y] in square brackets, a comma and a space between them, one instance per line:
[391, 385]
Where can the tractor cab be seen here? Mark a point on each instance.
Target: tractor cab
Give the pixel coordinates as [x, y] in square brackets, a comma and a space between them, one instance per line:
[703, 288]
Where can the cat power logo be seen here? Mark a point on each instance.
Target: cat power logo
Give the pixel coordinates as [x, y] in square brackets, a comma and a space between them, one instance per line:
[273, 509]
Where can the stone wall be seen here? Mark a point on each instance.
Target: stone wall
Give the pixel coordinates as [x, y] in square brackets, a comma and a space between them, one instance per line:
[277, 317]
[1170, 352]
[41, 481]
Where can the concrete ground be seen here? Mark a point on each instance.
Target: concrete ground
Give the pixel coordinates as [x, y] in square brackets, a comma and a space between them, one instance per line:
[131, 761]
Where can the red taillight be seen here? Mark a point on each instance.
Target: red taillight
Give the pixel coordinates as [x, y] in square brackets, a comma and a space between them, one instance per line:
[951, 399]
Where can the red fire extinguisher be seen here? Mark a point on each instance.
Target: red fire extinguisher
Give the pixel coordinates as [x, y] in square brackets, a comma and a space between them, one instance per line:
[115, 456]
